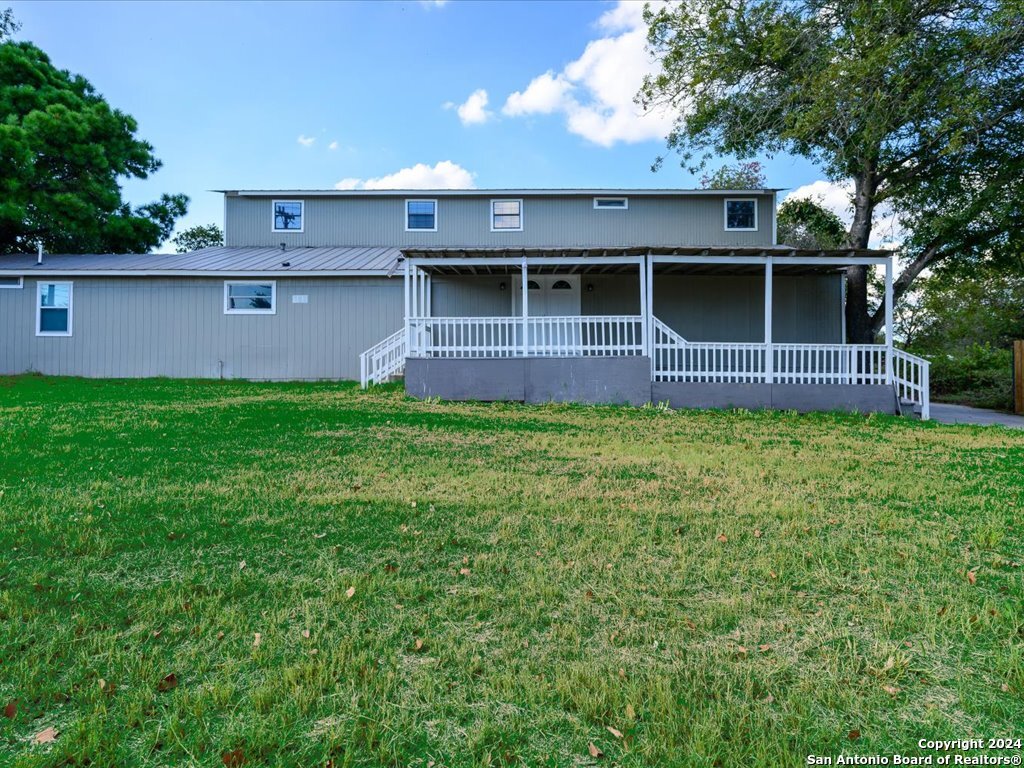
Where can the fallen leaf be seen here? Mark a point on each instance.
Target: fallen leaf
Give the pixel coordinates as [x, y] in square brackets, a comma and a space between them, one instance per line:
[615, 732]
[853, 735]
[741, 651]
[102, 683]
[594, 751]
[46, 736]
[464, 571]
[972, 577]
[757, 533]
[1004, 688]
[892, 690]
[256, 640]
[773, 574]
[418, 645]
[722, 538]
[241, 566]
[234, 758]
[350, 592]
[319, 535]
[157, 632]
[11, 710]
[764, 647]
[630, 712]
[220, 635]
[465, 560]
[622, 673]
[168, 683]
[590, 594]
[305, 633]
[943, 609]
[769, 698]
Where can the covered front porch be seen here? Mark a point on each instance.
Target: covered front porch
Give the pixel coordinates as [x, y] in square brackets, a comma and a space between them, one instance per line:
[691, 326]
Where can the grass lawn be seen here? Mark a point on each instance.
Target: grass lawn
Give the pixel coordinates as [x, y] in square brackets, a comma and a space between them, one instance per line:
[229, 573]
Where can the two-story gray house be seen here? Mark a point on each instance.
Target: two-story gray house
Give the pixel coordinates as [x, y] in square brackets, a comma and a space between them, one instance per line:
[591, 295]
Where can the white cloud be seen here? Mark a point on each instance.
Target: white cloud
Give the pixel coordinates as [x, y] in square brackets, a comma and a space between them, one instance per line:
[545, 94]
[595, 92]
[306, 141]
[886, 230]
[332, 146]
[473, 110]
[443, 175]
[433, 3]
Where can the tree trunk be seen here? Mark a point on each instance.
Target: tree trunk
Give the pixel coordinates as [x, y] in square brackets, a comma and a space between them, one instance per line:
[858, 318]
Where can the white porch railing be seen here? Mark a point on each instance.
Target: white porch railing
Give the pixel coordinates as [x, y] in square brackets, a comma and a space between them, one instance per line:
[910, 375]
[676, 359]
[564, 336]
[383, 360]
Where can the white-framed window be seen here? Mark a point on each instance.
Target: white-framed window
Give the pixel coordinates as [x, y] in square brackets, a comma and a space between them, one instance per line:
[740, 214]
[506, 215]
[289, 216]
[611, 203]
[250, 297]
[421, 215]
[12, 282]
[53, 308]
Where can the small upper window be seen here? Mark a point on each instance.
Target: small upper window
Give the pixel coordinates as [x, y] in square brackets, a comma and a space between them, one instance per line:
[250, 297]
[611, 203]
[53, 309]
[741, 214]
[561, 285]
[421, 215]
[11, 282]
[288, 215]
[507, 215]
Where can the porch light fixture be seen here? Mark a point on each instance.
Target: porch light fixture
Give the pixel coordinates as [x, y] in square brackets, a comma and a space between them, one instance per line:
[590, 287]
[502, 286]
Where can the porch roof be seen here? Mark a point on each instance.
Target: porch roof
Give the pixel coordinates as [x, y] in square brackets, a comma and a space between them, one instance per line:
[675, 259]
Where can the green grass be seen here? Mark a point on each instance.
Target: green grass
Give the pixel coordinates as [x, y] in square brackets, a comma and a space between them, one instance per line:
[524, 578]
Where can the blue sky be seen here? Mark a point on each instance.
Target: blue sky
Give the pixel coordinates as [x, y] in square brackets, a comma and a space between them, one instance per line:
[313, 95]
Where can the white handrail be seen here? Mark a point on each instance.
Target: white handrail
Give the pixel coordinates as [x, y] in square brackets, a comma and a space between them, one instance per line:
[551, 336]
[910, 375]
[383, 360]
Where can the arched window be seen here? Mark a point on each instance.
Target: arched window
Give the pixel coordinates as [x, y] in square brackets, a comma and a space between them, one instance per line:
[561, 285]
[533, 285]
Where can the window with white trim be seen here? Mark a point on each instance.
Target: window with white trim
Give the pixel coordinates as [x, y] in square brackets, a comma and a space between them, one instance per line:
[506, 215]
[741, 214]
[611, 203]
[11, 282]
[288, 215]
[53, 309]
[421, 215]
[250, 297]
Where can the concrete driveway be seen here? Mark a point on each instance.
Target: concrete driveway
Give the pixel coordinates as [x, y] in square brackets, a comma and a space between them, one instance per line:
[962, 414]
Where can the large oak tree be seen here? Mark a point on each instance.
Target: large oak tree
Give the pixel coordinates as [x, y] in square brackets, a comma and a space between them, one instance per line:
[918, 105]
[63, 152]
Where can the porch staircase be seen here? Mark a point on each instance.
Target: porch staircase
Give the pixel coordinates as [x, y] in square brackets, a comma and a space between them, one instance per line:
[383, 361]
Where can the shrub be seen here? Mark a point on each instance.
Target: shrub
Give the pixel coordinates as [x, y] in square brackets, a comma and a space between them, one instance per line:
[979, 375]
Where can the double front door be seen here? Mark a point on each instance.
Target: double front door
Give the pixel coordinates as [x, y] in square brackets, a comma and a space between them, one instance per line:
[550, 296]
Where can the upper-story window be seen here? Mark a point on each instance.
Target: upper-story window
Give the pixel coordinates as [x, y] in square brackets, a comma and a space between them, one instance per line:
[611, 203]
[506, 215]
[741, 214]
[288, 215]
[421, 215]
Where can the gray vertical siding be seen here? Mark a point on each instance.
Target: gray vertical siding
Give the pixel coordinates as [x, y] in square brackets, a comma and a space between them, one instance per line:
[465, 222]
[805, 309]
[132, 327]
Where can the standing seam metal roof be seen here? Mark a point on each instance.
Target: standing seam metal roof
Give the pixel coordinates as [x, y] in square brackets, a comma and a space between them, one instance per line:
[217, 260]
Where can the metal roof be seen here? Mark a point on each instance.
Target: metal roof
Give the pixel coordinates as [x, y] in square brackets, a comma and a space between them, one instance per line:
[220, 260]
[430, 252]
[517, 192]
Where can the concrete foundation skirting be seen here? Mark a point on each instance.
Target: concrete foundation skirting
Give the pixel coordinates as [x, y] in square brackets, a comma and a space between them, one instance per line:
[861, 398]
[615, 380]
[622, 380]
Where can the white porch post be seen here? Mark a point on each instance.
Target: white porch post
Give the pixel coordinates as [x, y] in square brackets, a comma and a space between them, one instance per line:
[888, 321]
[526, 301]
[406, 292]
[645, 336]
[769, 353]
[648, 267]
